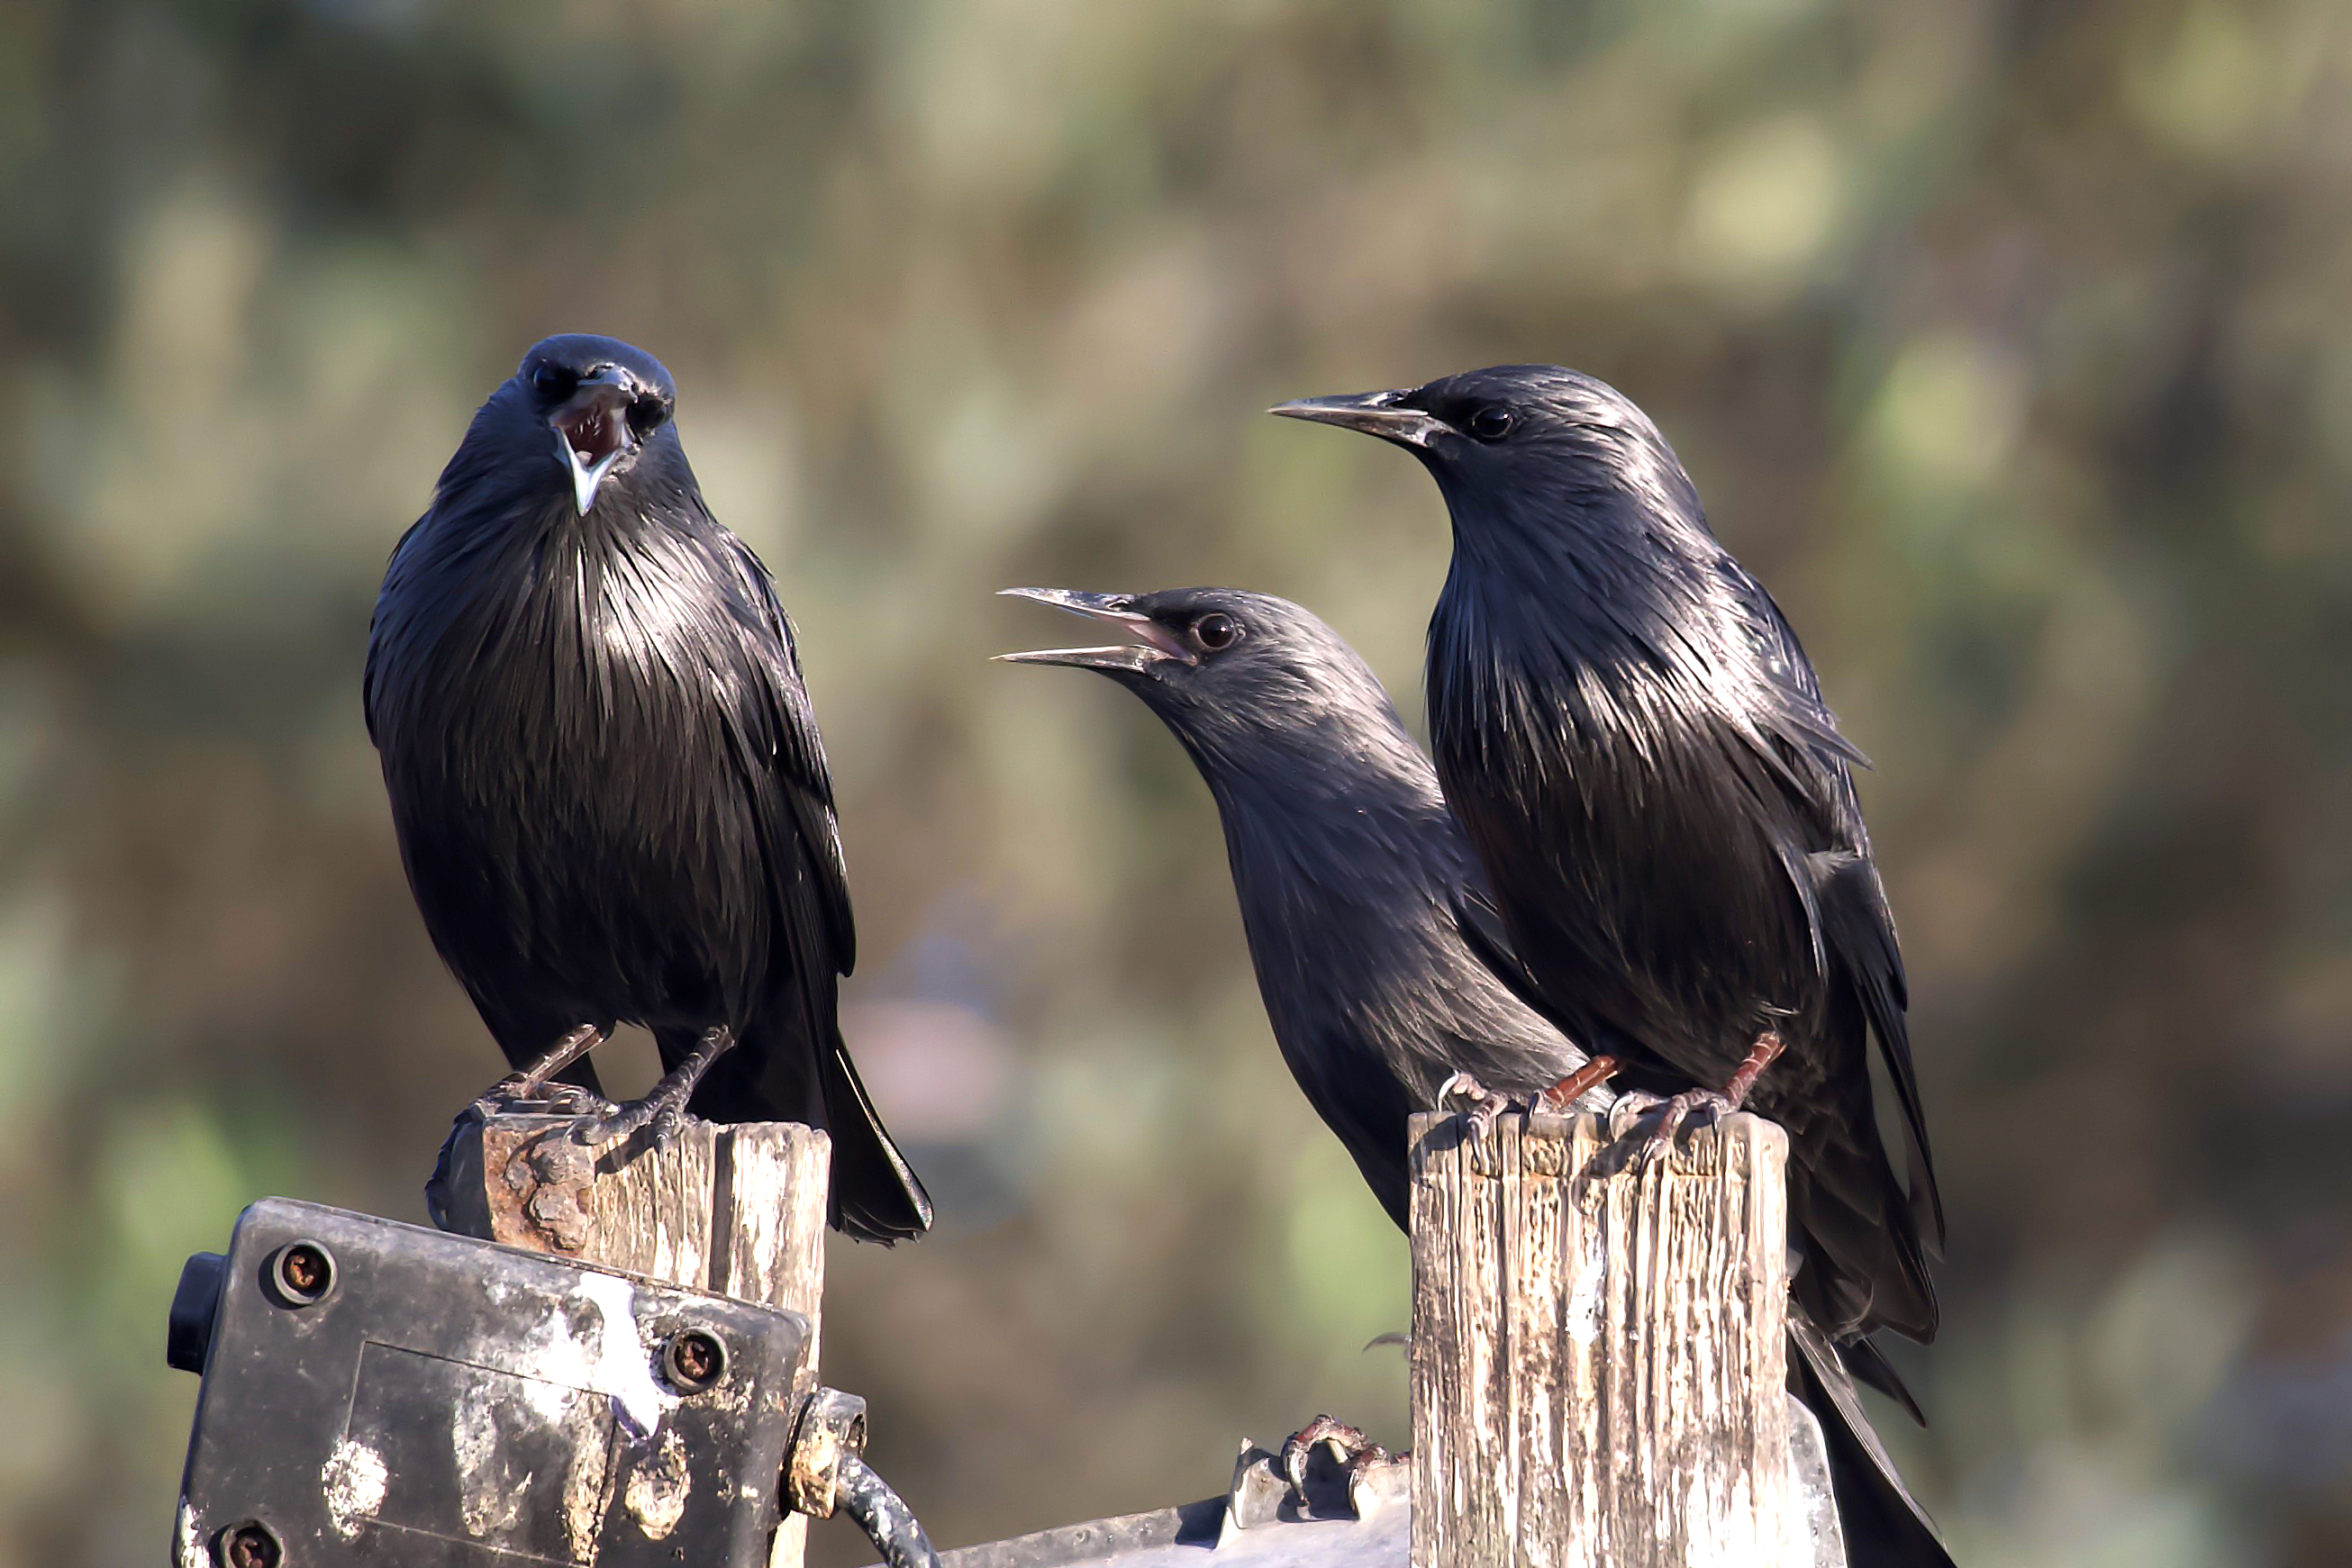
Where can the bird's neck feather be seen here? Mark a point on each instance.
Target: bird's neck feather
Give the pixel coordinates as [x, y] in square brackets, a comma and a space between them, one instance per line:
[1313, 838]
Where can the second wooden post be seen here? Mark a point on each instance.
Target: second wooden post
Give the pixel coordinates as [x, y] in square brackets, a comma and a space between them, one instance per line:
[1598, 1354]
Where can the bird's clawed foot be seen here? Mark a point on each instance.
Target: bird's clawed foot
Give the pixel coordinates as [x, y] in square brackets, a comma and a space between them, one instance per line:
[534, 1088]
[663, 1113]
[1478, 1103]
[1344, 1441]
[1368, 1468]
[1668, 1117]
[664, 1110]
[1672, 1114]
[1632, 1104]
[517, 1093]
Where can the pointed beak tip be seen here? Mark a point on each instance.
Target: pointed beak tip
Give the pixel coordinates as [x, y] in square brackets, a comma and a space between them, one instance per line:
[1128, 657]
[586, 480]
[1154, 644]
[1076, 600]
[1381, 413]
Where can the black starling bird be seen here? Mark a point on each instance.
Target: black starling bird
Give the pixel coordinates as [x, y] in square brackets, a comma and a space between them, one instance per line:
[607, 784]
[1349, 868]
[1354, 881]
[1639, 752]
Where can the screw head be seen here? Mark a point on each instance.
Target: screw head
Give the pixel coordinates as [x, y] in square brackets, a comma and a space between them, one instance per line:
[302, 1273]
[252, 1544]
[693, 1360]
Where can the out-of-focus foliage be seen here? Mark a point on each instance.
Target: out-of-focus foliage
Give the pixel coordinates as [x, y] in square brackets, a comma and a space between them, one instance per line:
[2010, 343]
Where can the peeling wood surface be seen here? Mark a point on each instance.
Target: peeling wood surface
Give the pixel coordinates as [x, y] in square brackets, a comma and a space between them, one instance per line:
[737, 1210]
[1598, 1354]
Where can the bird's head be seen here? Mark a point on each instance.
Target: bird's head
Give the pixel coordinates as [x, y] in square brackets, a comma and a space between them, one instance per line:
[1236, 676]
[1517, 447]
[601, 401]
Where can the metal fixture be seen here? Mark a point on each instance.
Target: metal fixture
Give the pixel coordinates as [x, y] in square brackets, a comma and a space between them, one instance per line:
[382, 1394]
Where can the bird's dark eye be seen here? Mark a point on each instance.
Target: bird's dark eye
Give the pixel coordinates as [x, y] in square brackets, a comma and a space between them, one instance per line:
[1491, 422]
[553, 381]
[647, 415]
[1216, 630]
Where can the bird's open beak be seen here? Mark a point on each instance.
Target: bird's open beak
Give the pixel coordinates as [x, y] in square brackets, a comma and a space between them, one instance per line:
[592, 433]
[1157, 644]
[1381, 413]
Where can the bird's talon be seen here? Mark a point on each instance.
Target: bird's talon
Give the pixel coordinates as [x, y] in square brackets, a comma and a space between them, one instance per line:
[514, 1089]
[618, 1127]
[1347, 1444]
[1646, 1126]
[516, 1093]
[1375, 1476]
[1626, 1115]
[1479, 1104]
[571, 1100]
[1692, 1107]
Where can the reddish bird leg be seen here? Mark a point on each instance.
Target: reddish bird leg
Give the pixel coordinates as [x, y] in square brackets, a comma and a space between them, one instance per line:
[1562, 1096]
[1675, 1111]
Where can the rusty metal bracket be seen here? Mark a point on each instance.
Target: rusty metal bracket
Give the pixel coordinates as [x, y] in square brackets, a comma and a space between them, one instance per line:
[824, 1471]
[831, 1426]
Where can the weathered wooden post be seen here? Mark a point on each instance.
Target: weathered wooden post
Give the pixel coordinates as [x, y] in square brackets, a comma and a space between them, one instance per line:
[736, 1210]
[1599, 1349]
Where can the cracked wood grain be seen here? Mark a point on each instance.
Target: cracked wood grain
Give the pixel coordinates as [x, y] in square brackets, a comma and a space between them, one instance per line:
[1599, 1357]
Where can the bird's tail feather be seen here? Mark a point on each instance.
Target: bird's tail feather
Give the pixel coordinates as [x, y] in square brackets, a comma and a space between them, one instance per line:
[1870, 1366]
[1865, 1265]
[1862, 1261]
[877, 1196]
[1884, 1526]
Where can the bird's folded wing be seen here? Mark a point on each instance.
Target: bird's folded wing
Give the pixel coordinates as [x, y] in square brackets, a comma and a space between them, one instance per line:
[1828, 862]
[777, 731]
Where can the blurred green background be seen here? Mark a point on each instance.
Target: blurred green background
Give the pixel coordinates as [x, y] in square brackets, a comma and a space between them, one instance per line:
[2008, 340]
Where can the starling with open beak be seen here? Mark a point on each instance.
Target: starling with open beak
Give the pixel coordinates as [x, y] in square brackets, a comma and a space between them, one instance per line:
[609, 794]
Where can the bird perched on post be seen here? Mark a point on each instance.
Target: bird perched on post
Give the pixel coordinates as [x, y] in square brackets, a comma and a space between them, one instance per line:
[1639, 752]
[606, 781]
[1349, 868]
[1354, 881]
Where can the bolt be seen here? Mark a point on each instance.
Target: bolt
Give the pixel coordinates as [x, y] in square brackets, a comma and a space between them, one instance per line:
[304, 1272]
[249, 1546]
[693, 1360]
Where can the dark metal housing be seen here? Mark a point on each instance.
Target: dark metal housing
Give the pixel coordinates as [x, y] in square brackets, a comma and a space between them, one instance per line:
[377, 1393]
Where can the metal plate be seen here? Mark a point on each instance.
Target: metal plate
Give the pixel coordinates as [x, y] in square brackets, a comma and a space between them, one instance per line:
[451, 1402]
[1202, 1535]
[1260, 1524]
